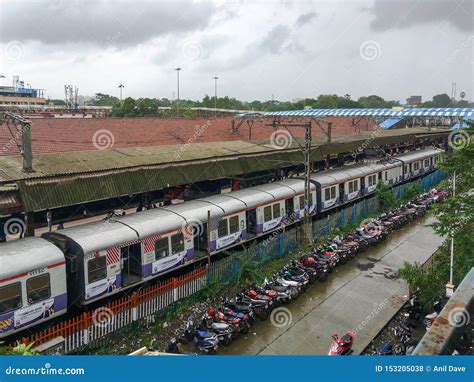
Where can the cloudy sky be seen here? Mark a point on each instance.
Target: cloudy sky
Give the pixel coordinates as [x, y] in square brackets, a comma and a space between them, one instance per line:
[291, 49]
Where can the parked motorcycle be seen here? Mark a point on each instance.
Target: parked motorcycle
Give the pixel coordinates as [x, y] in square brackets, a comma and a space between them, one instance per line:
[342, 345]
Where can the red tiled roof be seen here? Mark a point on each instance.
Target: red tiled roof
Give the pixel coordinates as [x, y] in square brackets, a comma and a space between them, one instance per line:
[63, 135]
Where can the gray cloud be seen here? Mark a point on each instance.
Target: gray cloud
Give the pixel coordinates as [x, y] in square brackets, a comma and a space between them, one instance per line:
[276, 42]
[390, 14]
[124, 23]
[305, 18]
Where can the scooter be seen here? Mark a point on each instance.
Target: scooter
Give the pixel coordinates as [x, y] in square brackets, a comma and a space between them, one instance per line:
[342, 345]
[204, 340]
[223, 331]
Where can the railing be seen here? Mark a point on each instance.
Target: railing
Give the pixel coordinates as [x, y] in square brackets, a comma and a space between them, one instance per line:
[147, 304]
[451, 323]
[78, 332]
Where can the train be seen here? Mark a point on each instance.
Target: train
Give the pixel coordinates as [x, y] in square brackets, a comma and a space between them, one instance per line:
[40, 277]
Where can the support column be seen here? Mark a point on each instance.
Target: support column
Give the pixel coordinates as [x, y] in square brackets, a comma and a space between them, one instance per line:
[30, 224]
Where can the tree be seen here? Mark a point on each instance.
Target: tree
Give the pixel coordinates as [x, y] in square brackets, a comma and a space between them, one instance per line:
[129, 107]
[57, 102]
[441, 100]
[101, 99]
[385, 196]
[327, 101]
[454, 219]
[373, 101]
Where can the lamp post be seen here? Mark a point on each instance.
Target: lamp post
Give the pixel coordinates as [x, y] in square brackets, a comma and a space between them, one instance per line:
[215, 94]
[177, 104]
[450, 285]
[121, 86]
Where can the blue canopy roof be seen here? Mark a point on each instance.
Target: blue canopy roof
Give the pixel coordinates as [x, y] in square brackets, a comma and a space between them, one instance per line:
[466, 113]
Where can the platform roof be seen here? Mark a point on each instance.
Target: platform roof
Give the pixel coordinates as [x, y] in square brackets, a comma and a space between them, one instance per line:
[64, 179]
[466, 113]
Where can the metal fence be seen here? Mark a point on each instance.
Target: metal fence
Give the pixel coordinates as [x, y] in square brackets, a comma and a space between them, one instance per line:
[145, 305]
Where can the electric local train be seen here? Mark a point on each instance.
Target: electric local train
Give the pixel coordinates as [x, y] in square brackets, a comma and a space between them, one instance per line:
[40, 277]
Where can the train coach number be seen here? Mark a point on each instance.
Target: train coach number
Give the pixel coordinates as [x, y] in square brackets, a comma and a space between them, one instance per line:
[37, 271]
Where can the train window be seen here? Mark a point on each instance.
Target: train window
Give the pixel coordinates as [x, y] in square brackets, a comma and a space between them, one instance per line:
[351, 187]
[161, 248]
[276, 211]
[333, 192]
[427, 163]
[97, 269]
[177, 243]
[267, 213]
[10, 297]
[406, 169]
[386, 175]
[38, 288]
[435, 160]
[234, 224]
[222, 229]
[327, 194]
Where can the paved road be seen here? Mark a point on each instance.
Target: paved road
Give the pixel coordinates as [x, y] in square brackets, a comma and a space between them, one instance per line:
[362, 296]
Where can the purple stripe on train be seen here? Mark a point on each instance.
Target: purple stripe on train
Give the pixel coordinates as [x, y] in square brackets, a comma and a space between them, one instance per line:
[32, 314]
[166, 263]
[224, 242]
[269, 225]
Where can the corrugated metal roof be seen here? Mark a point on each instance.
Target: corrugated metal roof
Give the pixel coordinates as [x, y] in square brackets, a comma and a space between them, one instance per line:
[467, 113]
[64, 179]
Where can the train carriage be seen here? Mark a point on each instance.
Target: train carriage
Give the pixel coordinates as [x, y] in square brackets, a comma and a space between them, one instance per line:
[270, 215]
[418, 162]
[32, 284]
[295, 206]
[108, 256]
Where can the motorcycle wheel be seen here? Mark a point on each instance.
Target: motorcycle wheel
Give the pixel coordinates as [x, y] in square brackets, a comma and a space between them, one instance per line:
[262, 314]
[245, 328]
[226, 341]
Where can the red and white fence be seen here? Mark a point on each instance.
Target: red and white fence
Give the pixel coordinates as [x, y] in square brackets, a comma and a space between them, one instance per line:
[82, 330]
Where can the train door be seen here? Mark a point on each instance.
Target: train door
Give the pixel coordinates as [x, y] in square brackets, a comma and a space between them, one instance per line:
[252, 221]
[290, 206]
[341, 191]
[131, 264]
